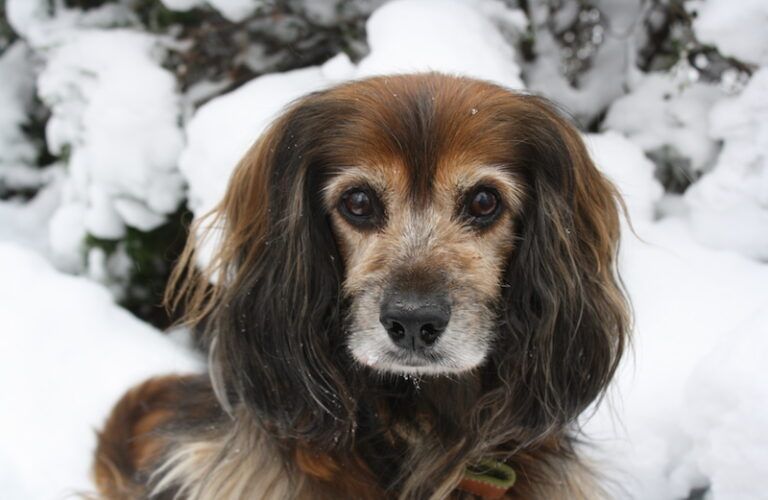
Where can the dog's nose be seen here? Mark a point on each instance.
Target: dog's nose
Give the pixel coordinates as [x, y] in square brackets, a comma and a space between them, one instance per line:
[415, 321]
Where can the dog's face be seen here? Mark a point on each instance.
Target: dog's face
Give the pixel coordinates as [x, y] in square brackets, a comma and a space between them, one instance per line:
[423, 277]
[413, 224]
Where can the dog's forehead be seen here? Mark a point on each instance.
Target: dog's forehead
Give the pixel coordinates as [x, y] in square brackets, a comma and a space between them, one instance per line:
[424, 136]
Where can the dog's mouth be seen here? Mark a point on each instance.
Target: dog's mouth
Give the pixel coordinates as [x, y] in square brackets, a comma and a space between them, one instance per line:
[390, 358]
[426, 361]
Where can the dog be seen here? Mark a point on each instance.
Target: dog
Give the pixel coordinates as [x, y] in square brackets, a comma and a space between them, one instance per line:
[414, 295]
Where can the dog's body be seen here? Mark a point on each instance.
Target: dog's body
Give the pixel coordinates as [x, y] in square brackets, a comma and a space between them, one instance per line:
[416, 276]
[168, 438]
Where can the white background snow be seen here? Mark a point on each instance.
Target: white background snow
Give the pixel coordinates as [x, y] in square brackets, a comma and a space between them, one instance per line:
[689, 408]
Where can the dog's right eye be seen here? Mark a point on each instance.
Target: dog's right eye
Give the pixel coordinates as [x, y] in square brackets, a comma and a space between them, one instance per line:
[358, 203]
[360, 207]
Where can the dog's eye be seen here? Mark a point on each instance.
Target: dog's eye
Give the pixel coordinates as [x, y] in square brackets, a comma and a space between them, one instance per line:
[357, 203]
[360, 207]
[483, 204]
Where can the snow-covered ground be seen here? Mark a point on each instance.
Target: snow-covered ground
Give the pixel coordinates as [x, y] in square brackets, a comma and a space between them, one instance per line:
[66, 352]
[689, 408]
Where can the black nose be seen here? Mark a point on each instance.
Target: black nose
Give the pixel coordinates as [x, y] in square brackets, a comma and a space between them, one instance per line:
[415, 321]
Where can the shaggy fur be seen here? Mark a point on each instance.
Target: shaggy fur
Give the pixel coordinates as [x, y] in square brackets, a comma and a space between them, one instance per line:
[307, 396]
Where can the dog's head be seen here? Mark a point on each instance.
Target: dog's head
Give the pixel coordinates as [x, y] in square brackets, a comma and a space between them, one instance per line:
[420, 224]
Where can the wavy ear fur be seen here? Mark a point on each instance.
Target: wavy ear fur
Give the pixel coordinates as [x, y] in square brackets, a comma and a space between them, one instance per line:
[273, 313]
[565, 315]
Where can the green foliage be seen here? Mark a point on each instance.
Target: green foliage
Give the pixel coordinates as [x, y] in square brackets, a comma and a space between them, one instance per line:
[158, 18]
[7, 36]
[219, 50]
[86, 4]
[673, 170]
[672, 41]
[151, 255]
[34, 129]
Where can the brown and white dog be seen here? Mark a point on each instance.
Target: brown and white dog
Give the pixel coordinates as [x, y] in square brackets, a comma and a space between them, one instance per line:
[415, 296]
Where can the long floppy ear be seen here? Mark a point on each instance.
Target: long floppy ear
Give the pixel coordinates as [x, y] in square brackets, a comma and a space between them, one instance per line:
[565, 309]
[270, 296]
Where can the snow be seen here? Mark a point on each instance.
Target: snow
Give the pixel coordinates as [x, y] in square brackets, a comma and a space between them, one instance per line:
[182, 4]
[210, 156]
[442, 35]
[25, 15]
[660, 111]
[66, 237]
[116, 113]
[338, 68]
[610, 68]
[66, 352]
[236, 10]
[689, 302]
[729, 206]
[731, 411]
[688, 407]
[689, 404]
[27, 223]
[627, 167]
[33, 21]
[738, 32]
[115, 121]
[16, 95]
[233, 10]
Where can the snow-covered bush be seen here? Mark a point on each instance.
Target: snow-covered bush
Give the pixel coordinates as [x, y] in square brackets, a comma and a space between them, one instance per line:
[451, 36]
[225, 43]
[115, 117]
[115, 128]
[17, 151]
[729, 206]
[736, 29]
[122, 82]
[581, 53]
[668, 119]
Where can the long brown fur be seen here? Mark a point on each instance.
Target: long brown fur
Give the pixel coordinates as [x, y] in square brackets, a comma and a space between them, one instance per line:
[136, 435]
[297, 413]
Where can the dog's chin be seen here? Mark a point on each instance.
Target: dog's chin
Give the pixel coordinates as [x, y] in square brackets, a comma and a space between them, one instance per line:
[432, 362]
[431, 368]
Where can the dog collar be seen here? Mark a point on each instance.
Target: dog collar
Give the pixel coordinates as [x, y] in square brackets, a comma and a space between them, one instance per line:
[488, 479]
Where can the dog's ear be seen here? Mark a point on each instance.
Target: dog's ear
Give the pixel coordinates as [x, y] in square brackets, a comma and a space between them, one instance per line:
[270, 296]
[564, 309]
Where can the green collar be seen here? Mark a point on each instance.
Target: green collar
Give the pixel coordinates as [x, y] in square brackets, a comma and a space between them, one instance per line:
[489, 479]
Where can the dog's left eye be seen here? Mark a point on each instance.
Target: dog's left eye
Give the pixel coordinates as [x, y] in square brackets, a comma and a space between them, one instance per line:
[358, 203]
[482, 206]
[360, 207]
